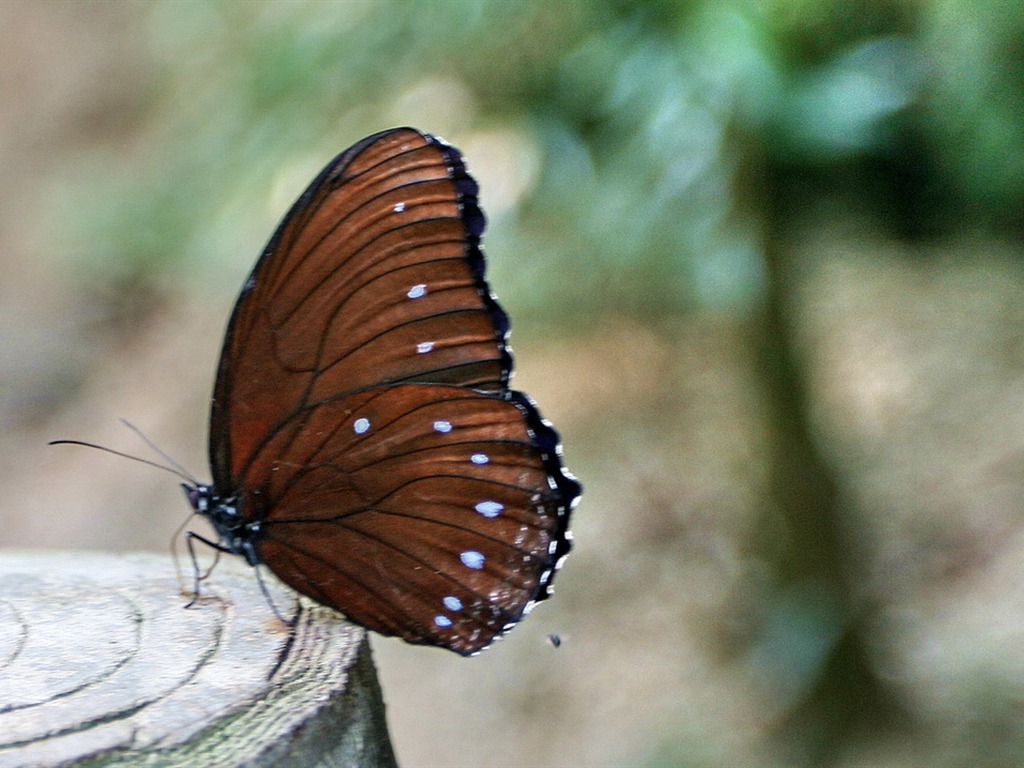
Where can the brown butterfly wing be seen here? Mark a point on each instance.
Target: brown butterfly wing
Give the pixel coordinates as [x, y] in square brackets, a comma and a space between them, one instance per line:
[375, 276]
[362, 425]
[431, 512]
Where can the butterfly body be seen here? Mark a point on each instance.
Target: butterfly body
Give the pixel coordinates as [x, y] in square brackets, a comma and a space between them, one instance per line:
[235, 535]
[364, 441]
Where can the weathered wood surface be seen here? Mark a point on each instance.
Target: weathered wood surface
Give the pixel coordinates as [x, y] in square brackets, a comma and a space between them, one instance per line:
[101, 666]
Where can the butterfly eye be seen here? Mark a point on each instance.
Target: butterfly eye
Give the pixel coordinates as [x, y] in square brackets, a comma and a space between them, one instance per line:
[362, 414]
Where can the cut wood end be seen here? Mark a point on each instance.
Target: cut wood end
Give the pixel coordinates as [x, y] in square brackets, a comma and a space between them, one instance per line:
[100, 661]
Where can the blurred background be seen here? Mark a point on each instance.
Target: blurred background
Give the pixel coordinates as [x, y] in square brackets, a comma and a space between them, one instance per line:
[764, 264]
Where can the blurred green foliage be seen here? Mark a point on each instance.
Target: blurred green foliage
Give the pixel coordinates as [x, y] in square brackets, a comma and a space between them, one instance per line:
[660, 149]
[645, 117]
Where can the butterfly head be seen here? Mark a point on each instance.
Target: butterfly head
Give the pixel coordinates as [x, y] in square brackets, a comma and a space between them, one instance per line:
[235, 535]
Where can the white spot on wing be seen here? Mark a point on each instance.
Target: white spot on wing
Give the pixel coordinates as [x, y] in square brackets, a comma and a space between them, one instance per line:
[399, 207]
[442, 621]
[472, 559]
[442, 426]
[417, 291]
[452, 603]
[479, 458]
[424, 346]
[361, 426]
[489, 508]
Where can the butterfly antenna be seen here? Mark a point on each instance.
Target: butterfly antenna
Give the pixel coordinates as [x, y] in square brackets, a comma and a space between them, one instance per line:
[178, 469]
[173, 470]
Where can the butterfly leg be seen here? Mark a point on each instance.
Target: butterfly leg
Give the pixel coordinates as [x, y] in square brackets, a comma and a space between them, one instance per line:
[198, 575]
[270, 600]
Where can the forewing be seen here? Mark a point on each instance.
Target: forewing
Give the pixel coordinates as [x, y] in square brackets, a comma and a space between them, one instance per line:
[434, 513]
[375, 276]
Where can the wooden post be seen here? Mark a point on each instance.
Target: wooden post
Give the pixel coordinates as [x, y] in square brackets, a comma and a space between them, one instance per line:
[101, 665]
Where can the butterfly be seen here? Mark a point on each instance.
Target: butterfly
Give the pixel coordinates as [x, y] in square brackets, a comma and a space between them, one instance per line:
[365, 443]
